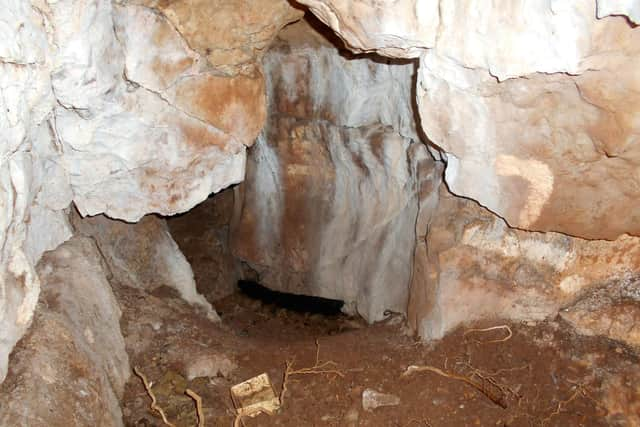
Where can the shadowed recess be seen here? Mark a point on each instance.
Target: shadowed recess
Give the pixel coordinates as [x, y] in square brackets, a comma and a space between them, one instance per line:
[298, 303]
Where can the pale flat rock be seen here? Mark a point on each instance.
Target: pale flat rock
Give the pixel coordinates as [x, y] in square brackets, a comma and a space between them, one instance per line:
[372, 399]
[478, 268]
[71, 367]
[143, 255]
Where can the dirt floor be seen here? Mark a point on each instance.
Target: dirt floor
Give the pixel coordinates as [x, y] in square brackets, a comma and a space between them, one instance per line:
[515, 375]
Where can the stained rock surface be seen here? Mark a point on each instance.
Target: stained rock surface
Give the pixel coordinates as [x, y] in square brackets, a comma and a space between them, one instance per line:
[71, 367]
[479, 268]
[533, 104]
[329, 204]
[146, 127]
[124, 108]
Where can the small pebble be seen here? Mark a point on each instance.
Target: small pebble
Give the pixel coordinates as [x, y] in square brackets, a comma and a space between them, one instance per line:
[372, 399]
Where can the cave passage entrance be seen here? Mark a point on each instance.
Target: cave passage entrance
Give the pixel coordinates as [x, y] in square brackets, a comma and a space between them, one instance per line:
[293, 302]
[329, 201]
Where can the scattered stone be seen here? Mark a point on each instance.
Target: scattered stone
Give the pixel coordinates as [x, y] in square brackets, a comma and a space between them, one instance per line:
[208, 364]
[372, 399]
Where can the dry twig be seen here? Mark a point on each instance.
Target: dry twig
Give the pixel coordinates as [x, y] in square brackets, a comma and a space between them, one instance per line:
[505, 327]
[579, 391]
[482, 388]
[154, 403]
[192, 394]
[327, 367]
[489, 378]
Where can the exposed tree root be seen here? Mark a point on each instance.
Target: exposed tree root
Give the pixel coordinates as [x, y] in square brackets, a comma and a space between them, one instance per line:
[495, 394]
[192, 394]
[488, 379]
[154, 403]
[493, 328]
[580, 390]
[327, 367]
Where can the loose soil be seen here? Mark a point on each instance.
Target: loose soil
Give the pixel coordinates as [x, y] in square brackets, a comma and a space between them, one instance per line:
[543, 375]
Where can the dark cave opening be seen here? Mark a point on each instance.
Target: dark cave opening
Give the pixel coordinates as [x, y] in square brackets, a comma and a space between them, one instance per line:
[297, 303]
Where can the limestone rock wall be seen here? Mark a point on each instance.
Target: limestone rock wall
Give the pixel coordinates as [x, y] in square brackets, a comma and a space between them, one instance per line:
[532, 103]
[479, 268]
[329, 204]
[71, 367]
[124, 108]
[533, 106]
[34, 186]
[129, 107]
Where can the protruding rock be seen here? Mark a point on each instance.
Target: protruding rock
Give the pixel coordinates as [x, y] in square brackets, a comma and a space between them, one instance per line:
[143, 255]
[71, 367]
[479, 268]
